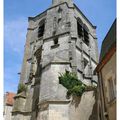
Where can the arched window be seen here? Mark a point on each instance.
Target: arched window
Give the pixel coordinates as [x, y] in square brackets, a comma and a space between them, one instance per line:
[41, 28]
[37, 55]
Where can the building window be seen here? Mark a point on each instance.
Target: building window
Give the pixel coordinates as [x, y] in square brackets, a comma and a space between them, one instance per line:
[85, 63]
[54, 26]
[83, 31]
[86, 37]
[111, 90]
[41, 31]
[55, 41]
[41, 28]
[59, 9]
[38, 62]
[79, 29]
[59, 14]
[86, 34]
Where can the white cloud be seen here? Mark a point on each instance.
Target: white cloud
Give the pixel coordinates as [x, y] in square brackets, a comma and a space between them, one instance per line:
[15, 34]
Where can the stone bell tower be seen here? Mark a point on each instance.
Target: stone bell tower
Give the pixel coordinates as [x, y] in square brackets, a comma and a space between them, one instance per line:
[61, 38]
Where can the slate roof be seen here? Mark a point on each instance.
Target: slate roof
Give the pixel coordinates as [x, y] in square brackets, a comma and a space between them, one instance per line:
[109, 41]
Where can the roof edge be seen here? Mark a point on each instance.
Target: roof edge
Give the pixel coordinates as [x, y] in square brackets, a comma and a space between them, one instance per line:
[85, 16]
[109, 54]
[109, 30]
[32, 18]
[45, 11]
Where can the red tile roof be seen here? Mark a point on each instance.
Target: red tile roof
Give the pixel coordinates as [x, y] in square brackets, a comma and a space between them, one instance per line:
[10, 98]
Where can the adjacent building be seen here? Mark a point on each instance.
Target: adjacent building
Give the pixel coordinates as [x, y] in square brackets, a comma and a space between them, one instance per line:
[106, 71]
[8, 105]
[59, 39]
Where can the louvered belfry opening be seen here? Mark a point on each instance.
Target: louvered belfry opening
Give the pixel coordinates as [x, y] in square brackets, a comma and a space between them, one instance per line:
[83, 31]
[80, 31]
[86, 34]
[41, 28]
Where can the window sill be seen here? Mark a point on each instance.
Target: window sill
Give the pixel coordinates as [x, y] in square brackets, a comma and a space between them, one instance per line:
[39, 38]
[55, 46]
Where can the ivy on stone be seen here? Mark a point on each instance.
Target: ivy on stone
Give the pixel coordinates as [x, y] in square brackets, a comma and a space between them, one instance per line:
[70, 81]
[74, 86]
[22, 88]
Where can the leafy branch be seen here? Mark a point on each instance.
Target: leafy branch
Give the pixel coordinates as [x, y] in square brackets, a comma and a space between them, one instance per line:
[75, 87]
[22, 87]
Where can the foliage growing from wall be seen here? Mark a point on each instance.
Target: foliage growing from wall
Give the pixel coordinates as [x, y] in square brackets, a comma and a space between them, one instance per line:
[22, 88]
[75, 87]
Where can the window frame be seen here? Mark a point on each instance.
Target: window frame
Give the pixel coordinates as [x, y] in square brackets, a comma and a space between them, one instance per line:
[111, 90]
[41, 28]
[83, 31]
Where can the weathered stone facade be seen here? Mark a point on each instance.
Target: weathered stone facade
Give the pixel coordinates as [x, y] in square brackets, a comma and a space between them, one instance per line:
[53, 46]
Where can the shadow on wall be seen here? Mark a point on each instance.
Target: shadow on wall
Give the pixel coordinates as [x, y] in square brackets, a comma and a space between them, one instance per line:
[76, 101]
[94, 111]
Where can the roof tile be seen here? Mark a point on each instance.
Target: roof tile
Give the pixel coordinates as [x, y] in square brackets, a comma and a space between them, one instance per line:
[10, 98]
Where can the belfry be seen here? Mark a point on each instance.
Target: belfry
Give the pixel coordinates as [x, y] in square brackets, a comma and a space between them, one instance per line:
[59, 39]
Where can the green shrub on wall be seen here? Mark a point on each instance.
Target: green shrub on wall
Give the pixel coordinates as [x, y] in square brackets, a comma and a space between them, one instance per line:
[21, 88]
[70, 81]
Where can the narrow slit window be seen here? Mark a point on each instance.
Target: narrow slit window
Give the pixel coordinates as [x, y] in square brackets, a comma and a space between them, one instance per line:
[86, 34]
[79, 29]
[83, 31]
[59, 13]
[55, 41]
[85, 62]
[86, 37]
[59, 9]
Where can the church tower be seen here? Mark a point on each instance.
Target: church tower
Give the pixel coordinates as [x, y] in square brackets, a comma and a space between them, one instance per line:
[59, 39]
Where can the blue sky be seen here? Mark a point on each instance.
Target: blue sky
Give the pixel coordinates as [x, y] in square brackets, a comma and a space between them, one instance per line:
[100, 12]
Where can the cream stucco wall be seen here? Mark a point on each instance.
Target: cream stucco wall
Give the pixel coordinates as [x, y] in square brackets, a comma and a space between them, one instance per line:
[109, 72]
